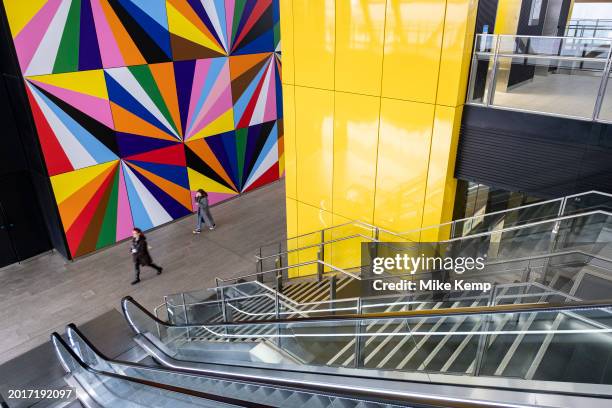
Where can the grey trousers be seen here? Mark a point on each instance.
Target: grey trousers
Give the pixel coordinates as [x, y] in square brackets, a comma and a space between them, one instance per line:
[204, 215]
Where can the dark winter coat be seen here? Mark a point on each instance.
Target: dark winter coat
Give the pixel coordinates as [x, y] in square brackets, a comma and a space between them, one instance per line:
[141, 255]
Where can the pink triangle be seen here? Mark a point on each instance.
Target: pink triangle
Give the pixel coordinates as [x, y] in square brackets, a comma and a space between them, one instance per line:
[30, 37]
[95, 107]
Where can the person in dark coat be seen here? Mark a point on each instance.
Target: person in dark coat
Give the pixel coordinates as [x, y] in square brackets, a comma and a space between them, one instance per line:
[140, 254]
[204, 214]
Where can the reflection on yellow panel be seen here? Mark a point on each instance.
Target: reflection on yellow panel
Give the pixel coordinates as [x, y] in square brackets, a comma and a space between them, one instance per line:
[355, 141]
[289, 140]
[359, 45]
[441, 185]
[314, 42]
[403, 152]
[286, 27]
[413, 37]
[456, 49]
[314, 133]
[346, 248]
[311, 220]
[292, 231]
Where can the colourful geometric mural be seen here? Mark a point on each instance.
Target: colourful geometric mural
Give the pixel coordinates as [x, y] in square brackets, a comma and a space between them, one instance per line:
[76, 35]
[138, 103]
[213, 28]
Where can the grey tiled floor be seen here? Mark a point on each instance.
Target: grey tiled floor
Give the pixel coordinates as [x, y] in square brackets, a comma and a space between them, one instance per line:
[44, 294]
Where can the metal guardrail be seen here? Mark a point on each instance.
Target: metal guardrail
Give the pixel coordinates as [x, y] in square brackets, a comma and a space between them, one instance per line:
[487, 48]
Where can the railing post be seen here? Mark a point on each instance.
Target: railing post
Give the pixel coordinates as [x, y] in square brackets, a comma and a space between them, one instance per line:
[259, 268]
[279, 282]
[332, 289]
[359, 360]
[483, 339]
[223, 308]
[186, 317]
[321, 257]
[493, 76]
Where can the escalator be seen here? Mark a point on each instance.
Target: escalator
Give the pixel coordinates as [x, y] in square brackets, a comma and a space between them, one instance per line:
[103, 382]
[515, 346]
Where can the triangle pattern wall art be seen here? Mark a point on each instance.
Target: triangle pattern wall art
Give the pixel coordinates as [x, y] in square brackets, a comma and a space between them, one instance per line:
[255, 85]
[57, 36]
[213, 28]
[73, 118]
[139, 103]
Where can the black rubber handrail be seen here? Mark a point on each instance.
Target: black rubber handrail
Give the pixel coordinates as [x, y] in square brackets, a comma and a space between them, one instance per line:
[56, 338]
[459, 311]
[337, 392]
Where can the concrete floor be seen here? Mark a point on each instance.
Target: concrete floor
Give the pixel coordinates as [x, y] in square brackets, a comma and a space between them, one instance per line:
[46, 293]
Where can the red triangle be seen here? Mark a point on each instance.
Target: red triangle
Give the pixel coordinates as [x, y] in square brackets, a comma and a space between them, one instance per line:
[174, 155]
[248, 112]
[55, 158]
[77, 231]
[269, 176]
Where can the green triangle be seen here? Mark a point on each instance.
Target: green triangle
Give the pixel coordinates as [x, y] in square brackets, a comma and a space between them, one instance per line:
[67, 59]
[239, 8]
[108, 232]
[241, 142]
[143, 75]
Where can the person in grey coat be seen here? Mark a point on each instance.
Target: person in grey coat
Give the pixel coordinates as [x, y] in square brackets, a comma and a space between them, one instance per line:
[204, 214]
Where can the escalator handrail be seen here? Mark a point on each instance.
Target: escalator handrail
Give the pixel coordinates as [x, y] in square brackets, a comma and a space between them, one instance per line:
[300, 386]
[459, 311]
[56, 338]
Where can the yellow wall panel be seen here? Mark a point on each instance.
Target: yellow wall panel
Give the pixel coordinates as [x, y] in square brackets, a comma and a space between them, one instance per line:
[286, 27]
[289, 140]
[456, 48]
[355, 142]
[507, 17]
[359, 45]
[314, 134]
[292, 231]
[311, 219]
[403, 152]
[441, 185]
[413, 38]
[314, 42]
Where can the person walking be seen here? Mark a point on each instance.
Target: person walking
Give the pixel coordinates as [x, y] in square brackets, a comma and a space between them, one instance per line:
[204, 214]
[140, 254]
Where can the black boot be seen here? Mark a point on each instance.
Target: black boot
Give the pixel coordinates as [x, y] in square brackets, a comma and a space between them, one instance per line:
[159, 270]
[137, 280]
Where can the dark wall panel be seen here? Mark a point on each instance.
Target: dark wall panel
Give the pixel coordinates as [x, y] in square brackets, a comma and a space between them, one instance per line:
[537, 154]
[25, 193]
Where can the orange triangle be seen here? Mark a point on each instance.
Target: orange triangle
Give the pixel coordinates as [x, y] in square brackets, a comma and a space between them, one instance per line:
[201, 148]
[127, 122]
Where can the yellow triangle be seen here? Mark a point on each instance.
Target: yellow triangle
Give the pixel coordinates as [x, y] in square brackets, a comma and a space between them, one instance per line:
[222, 124]
[20, 13]
[66, 184]
[85, 82]
[198, 180]
[182, 27]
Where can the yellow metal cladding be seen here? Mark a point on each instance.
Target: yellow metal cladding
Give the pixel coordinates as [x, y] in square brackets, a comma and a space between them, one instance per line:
[314, 146]
[403, 152]
[413, 39]
[359, 45]
[372, 124]
[314, 42]
[355, 144]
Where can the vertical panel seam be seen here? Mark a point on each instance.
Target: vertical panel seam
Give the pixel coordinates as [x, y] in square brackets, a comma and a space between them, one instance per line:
[382, 72]
[433, 120]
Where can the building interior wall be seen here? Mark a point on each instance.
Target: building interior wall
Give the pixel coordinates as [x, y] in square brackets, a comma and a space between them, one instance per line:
[138, 104]
[373, 94]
